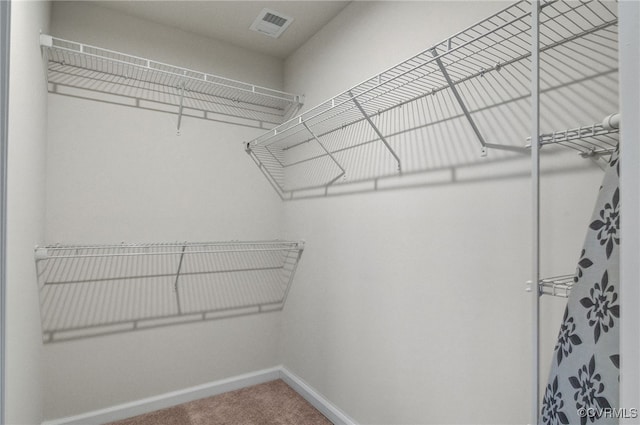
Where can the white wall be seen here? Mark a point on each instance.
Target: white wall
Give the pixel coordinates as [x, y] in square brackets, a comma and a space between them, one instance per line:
[408, 306]
[25, 211]
[122, 174]
[630, 204]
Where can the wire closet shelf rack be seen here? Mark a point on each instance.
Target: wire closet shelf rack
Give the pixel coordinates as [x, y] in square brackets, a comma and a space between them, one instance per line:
[447, 105]
[101, 74]
[94, 290]
[557, 286]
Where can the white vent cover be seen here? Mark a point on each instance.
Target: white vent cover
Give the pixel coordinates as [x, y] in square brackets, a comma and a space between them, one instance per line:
[271, 23]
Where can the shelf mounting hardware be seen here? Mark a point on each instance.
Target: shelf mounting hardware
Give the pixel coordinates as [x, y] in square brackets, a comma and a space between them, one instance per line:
[181, 105]
[342, 170]
[175, 285]
[375, 128]
[456, 94]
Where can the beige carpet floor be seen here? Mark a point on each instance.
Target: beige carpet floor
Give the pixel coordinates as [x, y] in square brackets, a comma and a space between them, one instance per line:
[271, 403]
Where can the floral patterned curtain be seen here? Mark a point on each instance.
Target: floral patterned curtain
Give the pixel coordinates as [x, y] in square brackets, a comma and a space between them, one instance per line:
[584, 380]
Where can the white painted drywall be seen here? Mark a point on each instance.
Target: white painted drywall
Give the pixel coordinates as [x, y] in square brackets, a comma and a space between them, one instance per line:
[25, 211]
[119, 173]
[630, 204]
[409, 305]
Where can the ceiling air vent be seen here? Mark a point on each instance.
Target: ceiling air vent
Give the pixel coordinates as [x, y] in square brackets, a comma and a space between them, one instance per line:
[271, 23]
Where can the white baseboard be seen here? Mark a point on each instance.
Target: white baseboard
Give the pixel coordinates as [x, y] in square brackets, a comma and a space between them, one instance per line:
[317, 400]
[146, 405]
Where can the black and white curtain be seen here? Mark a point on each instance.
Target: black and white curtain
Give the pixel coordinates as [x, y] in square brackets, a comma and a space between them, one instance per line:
[584, 379]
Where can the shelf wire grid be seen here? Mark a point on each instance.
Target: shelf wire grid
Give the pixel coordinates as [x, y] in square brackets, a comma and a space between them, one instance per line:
[439, 108]
[106, 72]
[93, 290]
[589, 141]
[558, 286]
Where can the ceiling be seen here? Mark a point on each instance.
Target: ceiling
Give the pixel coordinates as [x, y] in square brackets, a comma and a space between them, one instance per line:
[229, 21]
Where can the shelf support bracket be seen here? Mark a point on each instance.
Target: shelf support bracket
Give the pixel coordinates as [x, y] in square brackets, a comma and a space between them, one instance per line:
[182, 85]
[455, 92]
[175, 285]
[272, 181]
[342, 170]
[518, 149]
[375, 128]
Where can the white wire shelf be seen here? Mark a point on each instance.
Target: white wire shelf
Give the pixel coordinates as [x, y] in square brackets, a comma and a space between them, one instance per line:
[97, 71]
[95, 290]
[445, 106]
[589, 141]
[557, 286]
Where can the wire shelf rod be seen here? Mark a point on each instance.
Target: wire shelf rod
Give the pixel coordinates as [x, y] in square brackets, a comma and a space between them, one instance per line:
[488, 64]
[90, 294]
[226, 93]
[261, 116]
[543, 48]
[450, 117]
[478, 55]
[187, 317]
[581, 134]
[166, 244]
[479, 73]
[559, 286]
[358, 118]
[515, 99]
[408, 101]
[366, 142]
[594, 135]
[96, 71]
[348, 98]
[138, 254]
[154, 67]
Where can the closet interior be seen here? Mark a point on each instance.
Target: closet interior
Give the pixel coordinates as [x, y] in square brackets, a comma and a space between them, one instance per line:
[464, 101]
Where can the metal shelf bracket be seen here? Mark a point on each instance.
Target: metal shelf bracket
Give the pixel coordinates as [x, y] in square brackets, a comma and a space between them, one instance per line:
[342, 170]
[458, 97]
[375, 128]
[181, 105]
